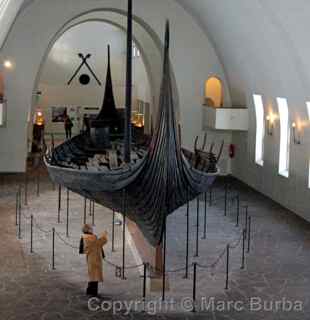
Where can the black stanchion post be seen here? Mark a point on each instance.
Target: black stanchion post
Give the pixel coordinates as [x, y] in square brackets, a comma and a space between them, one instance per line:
[113, 232]
[68, 204]
[210, 196]
[20, 222]
[227, 267]
[26, 188]
[194, 287]
[124, 235]
[197, 230]
[249, 234]
[38, 183]
[31, 234]
[238, 210]
[226, 195]
[243, 249]
[53, 249]
[17, 207]
[59, 202]
[85, 209]
[205, 219]
[144, 282]
[164, 261]
[246, 220]
[90, 207]
[187, 237]
[93, 215]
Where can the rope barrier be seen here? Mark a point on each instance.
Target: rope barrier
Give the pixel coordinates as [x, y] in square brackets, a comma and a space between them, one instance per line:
[147, 266]
[66, 242]
[215, 263]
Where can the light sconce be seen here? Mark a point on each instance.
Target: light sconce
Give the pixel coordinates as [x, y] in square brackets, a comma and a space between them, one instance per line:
[296, 133]
[270, 124]
[7, 64]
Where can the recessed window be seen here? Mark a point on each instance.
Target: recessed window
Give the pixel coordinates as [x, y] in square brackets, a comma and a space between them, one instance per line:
[284, 137]
[308, 108]
[260, 129]
[1, 114]
[214, 92]
[135, 52]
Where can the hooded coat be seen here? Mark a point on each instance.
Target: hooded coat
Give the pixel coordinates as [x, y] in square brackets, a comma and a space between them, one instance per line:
[93, 250]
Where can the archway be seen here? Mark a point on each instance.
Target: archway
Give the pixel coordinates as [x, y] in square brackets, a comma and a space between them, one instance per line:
[145, 39]
[214, 92]
[62, 61]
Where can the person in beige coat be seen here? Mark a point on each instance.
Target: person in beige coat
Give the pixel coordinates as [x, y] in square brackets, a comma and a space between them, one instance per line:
[93, 248]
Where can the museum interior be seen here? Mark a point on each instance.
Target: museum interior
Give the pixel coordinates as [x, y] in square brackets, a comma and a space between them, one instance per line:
[154, 159]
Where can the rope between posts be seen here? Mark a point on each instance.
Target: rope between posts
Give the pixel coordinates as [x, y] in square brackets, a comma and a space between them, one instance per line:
[215, 263]
[120, 267]
[66, 242]
[238, 242]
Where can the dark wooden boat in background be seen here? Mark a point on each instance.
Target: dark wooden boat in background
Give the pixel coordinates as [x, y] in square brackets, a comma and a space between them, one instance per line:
[158, 178]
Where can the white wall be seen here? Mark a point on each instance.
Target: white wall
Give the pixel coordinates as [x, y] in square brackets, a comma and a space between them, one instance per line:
[192, 55]
[63, 61]
[264, 48]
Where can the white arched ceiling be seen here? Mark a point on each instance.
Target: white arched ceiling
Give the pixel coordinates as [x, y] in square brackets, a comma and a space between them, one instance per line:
[8, 12]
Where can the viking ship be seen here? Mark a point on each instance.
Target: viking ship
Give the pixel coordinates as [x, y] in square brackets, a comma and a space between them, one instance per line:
[146, 183]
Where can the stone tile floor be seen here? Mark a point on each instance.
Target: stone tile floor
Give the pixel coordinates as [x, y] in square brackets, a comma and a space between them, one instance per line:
[277, 267]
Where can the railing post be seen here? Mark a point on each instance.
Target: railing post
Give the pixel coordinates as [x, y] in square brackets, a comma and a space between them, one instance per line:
[38, 183]
[17, 207]
[197, 229]
[59, 202]
[85, 209]
[227, 267]
[67, 223]
[187, 237]
[53, 250]
[194, 287]
[249, 234]
[210, 196]
[124, 235]
[31, 234]
[90, 208]
[26, 188]
[243, 250]
[93, 214]
[113, 232]
[144, 282]
[246, 219]
[20, 223]
[205, 219]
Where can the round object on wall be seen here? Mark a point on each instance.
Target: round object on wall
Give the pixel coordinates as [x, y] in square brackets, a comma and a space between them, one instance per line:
[84, 79]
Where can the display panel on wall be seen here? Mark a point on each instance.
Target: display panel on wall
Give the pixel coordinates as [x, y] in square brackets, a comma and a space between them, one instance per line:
[58, 114]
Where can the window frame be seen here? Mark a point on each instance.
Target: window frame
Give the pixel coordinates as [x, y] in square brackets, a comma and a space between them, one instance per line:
[260, 129]
[285, 137]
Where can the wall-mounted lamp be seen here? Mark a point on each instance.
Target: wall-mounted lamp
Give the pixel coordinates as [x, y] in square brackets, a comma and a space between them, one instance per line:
[296, 133]
[270, 124]
[7, 64]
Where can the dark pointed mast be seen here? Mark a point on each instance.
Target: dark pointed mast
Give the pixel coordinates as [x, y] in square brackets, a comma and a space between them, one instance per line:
[108, 110]
[128, 133]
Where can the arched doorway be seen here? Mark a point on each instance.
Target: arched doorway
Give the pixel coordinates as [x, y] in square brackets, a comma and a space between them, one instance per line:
[214, 92]
[75, 99]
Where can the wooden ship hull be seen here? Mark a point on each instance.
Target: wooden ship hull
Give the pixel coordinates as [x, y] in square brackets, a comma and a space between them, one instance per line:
[145, 184]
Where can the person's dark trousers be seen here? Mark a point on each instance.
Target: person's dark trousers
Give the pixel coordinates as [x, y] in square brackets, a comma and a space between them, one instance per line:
[92, 289]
